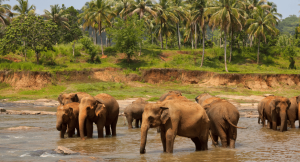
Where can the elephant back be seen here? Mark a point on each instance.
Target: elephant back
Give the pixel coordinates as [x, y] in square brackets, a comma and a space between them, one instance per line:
[110, 103]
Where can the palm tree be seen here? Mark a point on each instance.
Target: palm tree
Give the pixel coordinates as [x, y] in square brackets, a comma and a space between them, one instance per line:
[198, 8]
[23, 8]
[190, 27]
[99, 10]
[260, 25]
[57, 15]
[5, 13]
[164, 14]
[123, 7]
[179, 7]
[225, 14]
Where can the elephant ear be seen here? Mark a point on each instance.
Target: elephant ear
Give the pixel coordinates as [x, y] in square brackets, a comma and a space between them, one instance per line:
[273, 104]
[75, 98]
[206, 107]
[289, 103]
[197, 98]
[164, 115]
[99, 106]
[298, 99]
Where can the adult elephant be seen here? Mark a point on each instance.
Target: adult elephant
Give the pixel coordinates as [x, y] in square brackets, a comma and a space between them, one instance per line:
[67, 117]
[135, 111]
[274, 109]
[223, 118]
[293, 112]
[176, 117]
[71, 97]
[205, 99]
[103, 110]
[163, 97]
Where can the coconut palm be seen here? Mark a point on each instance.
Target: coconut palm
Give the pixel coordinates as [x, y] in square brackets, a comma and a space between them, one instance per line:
[164, 14]
[123, 7]
[5, 13]
[99, 10]
[198, 8]
[261, 24]
[23, 8]
[179, 7]
[190, 27]
[225, 14]
[57, 15]
[141, 7]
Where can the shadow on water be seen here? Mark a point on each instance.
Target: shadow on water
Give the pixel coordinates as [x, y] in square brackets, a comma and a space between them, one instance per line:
[253, 144]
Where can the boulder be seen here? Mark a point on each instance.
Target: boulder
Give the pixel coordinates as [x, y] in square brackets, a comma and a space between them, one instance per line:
[64, 150]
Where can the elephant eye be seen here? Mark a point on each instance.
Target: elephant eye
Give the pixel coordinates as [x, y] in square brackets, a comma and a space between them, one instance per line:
[150, 118]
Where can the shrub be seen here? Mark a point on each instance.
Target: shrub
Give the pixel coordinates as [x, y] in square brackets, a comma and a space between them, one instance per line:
[110, 50]
[86, 42]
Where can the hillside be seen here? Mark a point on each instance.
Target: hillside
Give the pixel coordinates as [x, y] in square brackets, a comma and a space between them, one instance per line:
[288, 25]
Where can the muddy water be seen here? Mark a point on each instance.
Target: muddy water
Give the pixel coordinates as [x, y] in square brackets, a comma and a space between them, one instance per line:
[253, 144]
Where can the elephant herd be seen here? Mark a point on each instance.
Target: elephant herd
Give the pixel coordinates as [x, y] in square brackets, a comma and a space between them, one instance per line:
[173, 115]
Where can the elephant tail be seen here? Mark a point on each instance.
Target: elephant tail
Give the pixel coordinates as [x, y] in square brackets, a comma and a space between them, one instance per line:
[227, 119]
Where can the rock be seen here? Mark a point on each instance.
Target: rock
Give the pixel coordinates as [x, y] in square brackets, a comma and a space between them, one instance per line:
[2, 110]
[64, 150]
[266, 95]
[22, 128]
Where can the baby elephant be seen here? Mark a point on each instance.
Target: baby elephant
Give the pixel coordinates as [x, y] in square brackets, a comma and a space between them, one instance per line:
[135, 111]
[223, 118]
[67, 117]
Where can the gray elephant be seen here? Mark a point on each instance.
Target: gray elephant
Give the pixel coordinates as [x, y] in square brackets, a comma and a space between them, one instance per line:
[71, 97]
[103, 110]
[205, 99]
[135, 111]
[223, 118]
[67, 118]
[274, 109]
[176, 117]
[163, 97]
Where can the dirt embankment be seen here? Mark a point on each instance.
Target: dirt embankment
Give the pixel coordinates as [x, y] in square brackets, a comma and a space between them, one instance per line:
[38, 80]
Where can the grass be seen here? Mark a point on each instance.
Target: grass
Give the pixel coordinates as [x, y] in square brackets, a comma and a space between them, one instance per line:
[61, 58]
[137, 89]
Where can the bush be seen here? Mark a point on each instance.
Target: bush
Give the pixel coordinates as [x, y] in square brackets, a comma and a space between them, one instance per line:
[209, 44]
[110, 50]
[86, 42]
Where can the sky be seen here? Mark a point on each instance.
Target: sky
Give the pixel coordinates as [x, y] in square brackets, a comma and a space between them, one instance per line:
[285, 7]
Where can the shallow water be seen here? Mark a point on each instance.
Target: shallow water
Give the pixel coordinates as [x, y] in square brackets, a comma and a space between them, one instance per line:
[253, 144]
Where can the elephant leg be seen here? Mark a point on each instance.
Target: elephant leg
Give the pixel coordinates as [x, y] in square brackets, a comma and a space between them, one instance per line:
[158, 129]
[63, 131]
[197, 143]
[292, 122]
[78, 132]
[71, 132]
[129, 120]
[259, 119]
[274, 125]
[114, 126]
[231, 136]
[89, 128]
[170, 135]
[107, 130]
[136, 123]
[223, 138]
[163, 137]
[215, 139]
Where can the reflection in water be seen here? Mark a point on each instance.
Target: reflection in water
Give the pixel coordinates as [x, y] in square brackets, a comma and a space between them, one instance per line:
[253, 144]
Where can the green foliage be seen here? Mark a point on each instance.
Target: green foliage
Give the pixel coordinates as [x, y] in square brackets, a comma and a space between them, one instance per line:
[86, 42]
[128, 34]
[290, 53]
[288, 25]
[209, 44]
[90, 48]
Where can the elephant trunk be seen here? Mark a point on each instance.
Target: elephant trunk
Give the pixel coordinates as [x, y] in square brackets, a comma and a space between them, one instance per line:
[81, 119]
[283, 117]
[59, 123]
[144, 131]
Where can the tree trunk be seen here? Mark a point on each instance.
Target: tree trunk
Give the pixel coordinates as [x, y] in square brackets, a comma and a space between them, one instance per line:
[37, 58]
[73, 49]
[161, 38]
[231, 45]
[251, 41]
[196, 36]
[95, 37]
[25, 51]
[152, 37]
[258, 50]
[178, 33]
[166, 41]
[106, 40]
[101, 37]
[140, 49]
[203, 44]
[225, 51]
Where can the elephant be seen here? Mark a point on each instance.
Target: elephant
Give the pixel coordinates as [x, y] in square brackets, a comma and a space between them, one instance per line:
[223, 118]
[71, 97]
[274, 109]
[163, 97]
[293, 112]
[135, 111]
[205, 99]
[176, 117]
[103, 110]
[67, 118]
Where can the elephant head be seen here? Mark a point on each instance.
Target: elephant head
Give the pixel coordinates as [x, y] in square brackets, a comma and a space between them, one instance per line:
[163, 97]
[199, 99]
[90, 108]
[279, 107]
[154, 115]
[64, 99]
[63, 117]
[298, 99]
